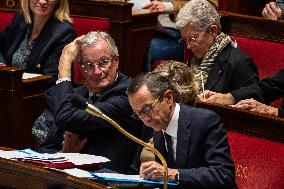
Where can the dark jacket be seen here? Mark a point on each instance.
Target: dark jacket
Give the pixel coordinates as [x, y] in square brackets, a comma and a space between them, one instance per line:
[202, 154]
[103, 139]
[232, 70]
[266, 90]
[47, 49]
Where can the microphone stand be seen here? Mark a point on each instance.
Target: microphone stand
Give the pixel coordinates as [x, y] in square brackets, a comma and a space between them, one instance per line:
[96, 112]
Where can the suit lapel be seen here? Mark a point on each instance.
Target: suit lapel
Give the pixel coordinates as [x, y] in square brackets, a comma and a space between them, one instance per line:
[217, 71]
[183, 136]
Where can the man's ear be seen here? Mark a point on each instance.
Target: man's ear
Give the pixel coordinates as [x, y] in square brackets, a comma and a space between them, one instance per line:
[169, 96]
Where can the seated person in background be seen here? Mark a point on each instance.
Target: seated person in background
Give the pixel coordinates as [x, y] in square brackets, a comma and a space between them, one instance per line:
[36, 36]
[218, 65]
[273, 10]
[1, 60]
[165, 43]
[197, 151]
[182, 79]
[105, 87]
[266, 91]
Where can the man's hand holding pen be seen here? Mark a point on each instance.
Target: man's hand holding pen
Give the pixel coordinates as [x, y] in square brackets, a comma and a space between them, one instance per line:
[152, 170]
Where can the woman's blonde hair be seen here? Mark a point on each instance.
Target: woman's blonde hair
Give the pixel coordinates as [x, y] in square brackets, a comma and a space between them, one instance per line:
[61, 11]
[182, 78]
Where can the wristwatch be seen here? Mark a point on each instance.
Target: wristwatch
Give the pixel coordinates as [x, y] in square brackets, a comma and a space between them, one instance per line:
[177, 177]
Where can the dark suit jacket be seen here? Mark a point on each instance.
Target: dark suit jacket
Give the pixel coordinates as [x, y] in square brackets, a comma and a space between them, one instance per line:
[202, 154]
[266, 91]
[103, 139]
[232, 70]
[47, 48]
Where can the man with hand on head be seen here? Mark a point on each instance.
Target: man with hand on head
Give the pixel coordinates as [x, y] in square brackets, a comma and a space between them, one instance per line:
[105, 87]
[193, 140]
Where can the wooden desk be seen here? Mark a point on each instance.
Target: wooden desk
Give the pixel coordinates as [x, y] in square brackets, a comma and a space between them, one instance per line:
[254, 124]
[15, 174]
[132, 31]
[252, 27]
[21, 102]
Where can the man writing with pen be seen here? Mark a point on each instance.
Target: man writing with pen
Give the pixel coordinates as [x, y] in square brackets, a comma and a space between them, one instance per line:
[192, 140]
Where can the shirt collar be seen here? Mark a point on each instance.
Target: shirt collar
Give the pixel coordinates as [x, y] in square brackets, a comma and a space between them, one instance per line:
[173, 125]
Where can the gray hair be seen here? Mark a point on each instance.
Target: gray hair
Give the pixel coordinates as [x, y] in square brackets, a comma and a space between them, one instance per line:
[156, 84]
[198, 13]
[95, 36]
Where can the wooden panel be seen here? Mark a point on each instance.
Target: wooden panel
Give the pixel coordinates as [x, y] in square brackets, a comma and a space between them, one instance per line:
[15, 174]
[260, 125]
[21, 102]
[248, 7]
[252, 27]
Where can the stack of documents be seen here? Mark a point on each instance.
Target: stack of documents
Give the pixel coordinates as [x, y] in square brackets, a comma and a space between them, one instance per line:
[57, 160]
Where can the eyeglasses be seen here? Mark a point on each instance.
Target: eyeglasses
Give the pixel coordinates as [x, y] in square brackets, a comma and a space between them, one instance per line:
[193, 39]
[47, 1]
[102, 64]
[146, 110]
[187, 41]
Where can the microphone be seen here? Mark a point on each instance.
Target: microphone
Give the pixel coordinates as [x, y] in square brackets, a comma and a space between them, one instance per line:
[82, 103]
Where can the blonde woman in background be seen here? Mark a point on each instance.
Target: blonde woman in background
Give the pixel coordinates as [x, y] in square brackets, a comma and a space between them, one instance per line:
[36, 36]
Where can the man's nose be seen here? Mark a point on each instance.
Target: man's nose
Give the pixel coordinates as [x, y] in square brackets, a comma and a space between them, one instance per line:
[96, 69]
[189, 45]
[145, 118]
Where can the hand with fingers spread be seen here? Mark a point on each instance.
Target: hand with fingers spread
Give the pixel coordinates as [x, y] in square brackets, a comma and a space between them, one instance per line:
[73, 142]
[255, 106]
[68, 56]
[272, 11]
[155, 6]
[216, 98]
[152, 170]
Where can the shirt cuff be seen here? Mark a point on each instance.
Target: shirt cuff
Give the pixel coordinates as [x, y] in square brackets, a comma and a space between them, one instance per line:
[169, 7]
[62, 79]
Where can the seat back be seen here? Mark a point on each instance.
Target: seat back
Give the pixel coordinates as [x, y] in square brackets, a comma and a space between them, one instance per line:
[259, 162]
[268, 56]
[5, 19]
[82, 26]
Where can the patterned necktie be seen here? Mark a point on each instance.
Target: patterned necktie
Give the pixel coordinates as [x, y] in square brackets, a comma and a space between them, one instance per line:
[170, 154]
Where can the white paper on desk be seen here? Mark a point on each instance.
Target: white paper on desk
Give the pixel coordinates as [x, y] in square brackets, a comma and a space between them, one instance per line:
[11, 154]
[126, 178]
[139, 4]
[78, 173]
[29, 75]
[83, 159]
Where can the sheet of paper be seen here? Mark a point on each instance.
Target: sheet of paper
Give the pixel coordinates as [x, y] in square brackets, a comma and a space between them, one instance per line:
[76, 158]
[78, 173]
[83, 159]
[139, 4]
[30, 75]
